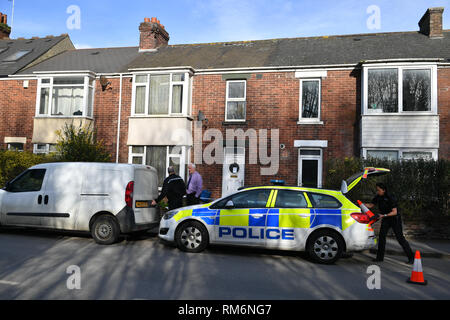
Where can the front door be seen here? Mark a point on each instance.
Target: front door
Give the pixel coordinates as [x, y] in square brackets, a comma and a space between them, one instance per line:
[310, 168]
[23, 203]
[233, 170]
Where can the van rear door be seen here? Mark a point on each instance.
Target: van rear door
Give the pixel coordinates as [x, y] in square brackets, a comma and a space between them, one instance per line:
[145, 190]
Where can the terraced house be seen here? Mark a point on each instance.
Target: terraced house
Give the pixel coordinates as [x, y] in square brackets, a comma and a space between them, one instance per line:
[381, 95]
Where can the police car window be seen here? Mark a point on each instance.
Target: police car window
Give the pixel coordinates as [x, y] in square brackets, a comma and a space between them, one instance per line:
[290, 199]
[248, 199]
[323, 201]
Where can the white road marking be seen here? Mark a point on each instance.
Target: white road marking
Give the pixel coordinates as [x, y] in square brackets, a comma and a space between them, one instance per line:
[10, 283]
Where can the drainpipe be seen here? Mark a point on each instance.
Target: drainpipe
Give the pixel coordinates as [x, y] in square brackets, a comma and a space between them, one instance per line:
[118, 121]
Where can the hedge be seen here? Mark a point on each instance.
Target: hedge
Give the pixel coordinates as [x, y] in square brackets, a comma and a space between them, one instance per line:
[422, 187]
[12, 163]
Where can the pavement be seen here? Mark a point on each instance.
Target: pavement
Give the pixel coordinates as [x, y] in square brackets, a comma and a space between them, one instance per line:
[439, 249]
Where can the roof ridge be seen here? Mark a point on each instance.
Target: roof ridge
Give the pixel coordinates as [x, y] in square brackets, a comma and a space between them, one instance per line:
[299, 38]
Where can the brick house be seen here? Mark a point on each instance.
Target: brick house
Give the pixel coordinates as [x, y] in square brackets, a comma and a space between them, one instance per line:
[378, 95]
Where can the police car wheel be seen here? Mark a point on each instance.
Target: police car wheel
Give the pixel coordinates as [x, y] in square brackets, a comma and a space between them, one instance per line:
[192, 236]
[105, 230]
[325, 247]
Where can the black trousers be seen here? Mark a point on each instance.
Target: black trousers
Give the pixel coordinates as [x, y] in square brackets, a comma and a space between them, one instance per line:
[192, 199]
[175, 203]
[396, 224]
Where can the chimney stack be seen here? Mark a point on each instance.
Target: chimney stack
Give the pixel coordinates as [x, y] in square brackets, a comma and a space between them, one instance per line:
[431, 23]
[5, 30]
[153, 35]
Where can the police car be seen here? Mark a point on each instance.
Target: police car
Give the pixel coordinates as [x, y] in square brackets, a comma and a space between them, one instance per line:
[322, 222]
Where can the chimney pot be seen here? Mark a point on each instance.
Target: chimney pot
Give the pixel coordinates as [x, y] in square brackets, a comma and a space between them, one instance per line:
[154, 20]
[146, 19]
[431, 23]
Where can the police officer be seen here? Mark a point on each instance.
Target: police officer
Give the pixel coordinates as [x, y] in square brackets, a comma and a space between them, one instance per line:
[174, 189]
[391, 218]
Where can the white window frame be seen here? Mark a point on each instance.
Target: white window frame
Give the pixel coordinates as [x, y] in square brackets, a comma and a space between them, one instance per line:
[310, 120]
[37, 151]
[227, 99]
[434, 152]
[9, 146]
[182, 157]
[400, 68]
[311, 157]
[186, 96]
[86, 85]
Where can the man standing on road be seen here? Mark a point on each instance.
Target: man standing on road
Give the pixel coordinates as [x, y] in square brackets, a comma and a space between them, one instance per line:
[174, 189]
[390, 219]
[194, 186]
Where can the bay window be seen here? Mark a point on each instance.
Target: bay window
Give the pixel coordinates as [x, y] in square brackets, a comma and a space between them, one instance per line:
[160, 157]
[65, 97]
[160, 94]
[405, 89]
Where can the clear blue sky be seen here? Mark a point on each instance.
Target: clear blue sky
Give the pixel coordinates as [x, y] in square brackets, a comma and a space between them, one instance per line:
[112, 23]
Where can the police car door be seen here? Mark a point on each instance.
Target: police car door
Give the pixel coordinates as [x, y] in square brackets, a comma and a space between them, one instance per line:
[242, 220]
[289, 219]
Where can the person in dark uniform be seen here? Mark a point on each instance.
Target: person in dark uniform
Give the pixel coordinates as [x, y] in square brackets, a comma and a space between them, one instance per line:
[174, 189]
[391, 218]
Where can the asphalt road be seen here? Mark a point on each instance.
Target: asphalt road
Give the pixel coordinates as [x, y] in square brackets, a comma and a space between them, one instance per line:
[33, 265]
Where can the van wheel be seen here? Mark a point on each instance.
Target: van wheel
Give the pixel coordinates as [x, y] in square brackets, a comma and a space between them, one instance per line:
[325, 246]
[105, 230]
[192, 236]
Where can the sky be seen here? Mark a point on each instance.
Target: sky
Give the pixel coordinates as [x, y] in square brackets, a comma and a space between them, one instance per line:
[113, 23]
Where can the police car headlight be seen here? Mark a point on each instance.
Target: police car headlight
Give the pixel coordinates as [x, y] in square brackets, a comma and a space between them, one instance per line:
[169, 215]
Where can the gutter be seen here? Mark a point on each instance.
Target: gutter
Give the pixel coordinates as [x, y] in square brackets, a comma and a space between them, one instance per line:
[119, 119]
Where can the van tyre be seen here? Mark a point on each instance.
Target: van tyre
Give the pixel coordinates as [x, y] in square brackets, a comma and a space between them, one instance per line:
[325, 246]
[192, 236]
[105, 230]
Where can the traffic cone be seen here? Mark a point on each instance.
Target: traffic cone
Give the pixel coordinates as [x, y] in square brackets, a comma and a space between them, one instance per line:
[417, 273]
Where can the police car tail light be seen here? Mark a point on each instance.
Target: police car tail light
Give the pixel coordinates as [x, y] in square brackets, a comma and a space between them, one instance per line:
[129, 194]
[360, 217]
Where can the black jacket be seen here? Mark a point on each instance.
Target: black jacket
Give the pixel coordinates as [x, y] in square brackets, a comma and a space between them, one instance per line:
[386, 203]
[174, 189]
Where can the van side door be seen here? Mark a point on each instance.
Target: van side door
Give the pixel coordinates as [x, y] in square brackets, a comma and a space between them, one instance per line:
[23, 202]
[62, 197]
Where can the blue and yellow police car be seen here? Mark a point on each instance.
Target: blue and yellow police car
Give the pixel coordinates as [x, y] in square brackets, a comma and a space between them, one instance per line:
[325, 223]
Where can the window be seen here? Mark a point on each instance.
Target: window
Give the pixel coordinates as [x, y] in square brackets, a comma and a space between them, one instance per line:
[16, 56]
[324, 201]
[236, 100]
[29, 181]
[41, 148]
[400, 89]
[254, 199]
[401, 154]
[383, 154]
[66, 97]
[160, 94]
[160, 157]
[310, 99]
[15, 147]
[290, 199]
[383, 90]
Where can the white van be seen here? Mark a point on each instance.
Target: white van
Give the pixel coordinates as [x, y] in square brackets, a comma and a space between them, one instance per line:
[102, 198]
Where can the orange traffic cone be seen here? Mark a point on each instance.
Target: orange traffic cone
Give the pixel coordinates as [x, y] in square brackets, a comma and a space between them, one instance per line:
[417, 273]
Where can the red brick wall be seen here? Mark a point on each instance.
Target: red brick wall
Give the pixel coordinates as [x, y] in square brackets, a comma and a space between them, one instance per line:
[17, 110]
[273, 103]
[444, 112]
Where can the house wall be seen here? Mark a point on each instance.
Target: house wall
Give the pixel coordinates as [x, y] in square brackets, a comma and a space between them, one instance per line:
[444, 112]
[273, 103]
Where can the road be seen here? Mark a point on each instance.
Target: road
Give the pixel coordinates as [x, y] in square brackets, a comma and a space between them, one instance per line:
[33, 265]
